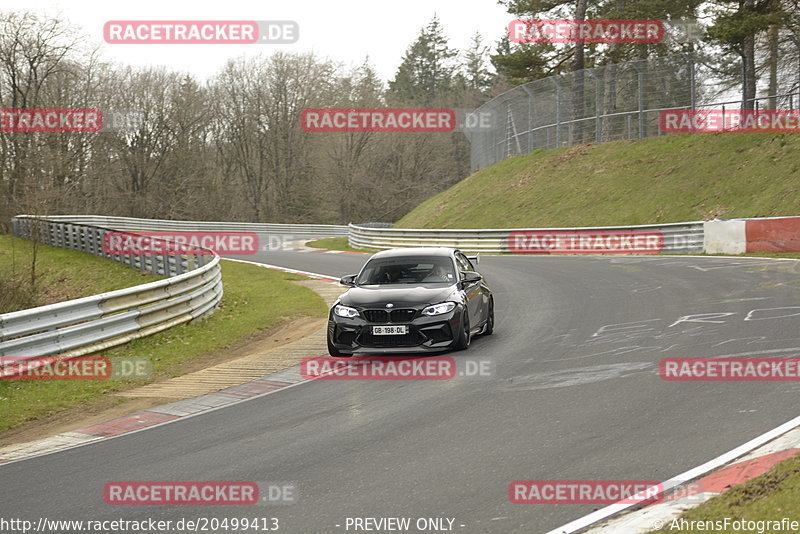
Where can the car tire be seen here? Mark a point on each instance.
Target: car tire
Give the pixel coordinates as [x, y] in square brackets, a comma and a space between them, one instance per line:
[333, 351]
[464, 337]
[488, 328]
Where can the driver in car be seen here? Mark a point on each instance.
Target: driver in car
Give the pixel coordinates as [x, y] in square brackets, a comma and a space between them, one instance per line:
[437, 274]
[391, 274]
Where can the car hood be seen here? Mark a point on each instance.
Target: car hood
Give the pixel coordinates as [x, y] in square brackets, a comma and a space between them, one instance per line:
[405, 296]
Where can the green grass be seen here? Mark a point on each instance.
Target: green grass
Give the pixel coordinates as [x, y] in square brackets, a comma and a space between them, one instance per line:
[61, 274]
[336, 243]
[769, 497]
[255, 299]
[672, 178]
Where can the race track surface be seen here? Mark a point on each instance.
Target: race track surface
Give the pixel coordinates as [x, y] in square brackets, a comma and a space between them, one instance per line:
[575, 396]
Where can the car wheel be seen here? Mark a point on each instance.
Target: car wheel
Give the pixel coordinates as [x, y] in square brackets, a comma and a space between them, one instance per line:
[488, 328]
[333, 351]
[464, 336]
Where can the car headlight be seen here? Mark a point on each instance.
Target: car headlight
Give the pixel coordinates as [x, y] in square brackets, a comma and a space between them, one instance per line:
[345, 311]
[438, 309]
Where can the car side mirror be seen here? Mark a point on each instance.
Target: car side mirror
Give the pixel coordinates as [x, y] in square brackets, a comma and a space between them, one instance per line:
[469, 277]
[349, 280]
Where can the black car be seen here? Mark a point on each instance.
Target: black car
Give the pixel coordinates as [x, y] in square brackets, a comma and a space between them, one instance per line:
[408, 300]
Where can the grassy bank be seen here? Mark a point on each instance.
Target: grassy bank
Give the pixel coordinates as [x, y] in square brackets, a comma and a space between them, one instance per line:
[769, 497]
[59, 274]
[667, 179]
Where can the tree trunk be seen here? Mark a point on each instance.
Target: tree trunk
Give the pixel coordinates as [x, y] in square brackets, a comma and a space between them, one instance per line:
[773, 65]
[578, 87]
[748, 66]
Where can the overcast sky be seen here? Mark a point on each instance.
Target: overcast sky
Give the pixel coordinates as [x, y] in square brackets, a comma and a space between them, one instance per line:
[343, 30]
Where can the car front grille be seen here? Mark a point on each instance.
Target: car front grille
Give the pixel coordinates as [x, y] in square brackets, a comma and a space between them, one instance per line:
[385, 316]
[399, 316]
[376, 316]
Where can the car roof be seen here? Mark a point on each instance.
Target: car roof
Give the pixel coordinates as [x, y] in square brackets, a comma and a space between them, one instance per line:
[415, 251]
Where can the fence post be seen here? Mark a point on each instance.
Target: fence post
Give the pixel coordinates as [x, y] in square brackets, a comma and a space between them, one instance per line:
[509, 132]
[640, 84]
[530, 117]
[597, 96]
[558, 110]
[692, 91]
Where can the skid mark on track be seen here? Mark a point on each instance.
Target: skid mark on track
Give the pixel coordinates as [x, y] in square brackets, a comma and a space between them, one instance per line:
[577, 377]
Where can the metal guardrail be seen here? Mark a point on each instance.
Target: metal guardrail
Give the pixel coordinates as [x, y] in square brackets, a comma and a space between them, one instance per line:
[677, 237]
[131, 224]
[82, 326]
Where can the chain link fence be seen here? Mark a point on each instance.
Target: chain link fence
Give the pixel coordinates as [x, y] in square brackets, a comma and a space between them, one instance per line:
[610, 103]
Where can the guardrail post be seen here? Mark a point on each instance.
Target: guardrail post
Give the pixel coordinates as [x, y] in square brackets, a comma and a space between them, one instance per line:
[60, 232]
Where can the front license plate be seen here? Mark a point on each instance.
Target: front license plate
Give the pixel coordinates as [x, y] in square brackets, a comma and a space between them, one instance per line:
[389, 330]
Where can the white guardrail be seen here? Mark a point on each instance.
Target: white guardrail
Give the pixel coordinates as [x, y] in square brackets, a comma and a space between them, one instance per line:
[130, 224]
[672, 238]
[82, 326]
[86, 325]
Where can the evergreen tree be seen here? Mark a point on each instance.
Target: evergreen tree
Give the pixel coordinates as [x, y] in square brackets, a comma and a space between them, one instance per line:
[476, 73]
[427, 70]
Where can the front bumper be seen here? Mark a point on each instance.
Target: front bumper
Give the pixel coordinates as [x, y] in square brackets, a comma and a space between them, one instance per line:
[426, 334]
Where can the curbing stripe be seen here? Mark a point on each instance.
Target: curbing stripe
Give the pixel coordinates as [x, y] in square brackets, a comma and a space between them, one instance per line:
[664, 511]
[616, 508]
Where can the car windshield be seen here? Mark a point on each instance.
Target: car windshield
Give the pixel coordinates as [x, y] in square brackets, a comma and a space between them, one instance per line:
[408, 270]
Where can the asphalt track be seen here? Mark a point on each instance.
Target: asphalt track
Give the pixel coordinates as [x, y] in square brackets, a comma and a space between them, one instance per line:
[576, 396]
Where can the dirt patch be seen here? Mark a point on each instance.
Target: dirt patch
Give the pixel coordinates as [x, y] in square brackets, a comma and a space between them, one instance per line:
[276, 336]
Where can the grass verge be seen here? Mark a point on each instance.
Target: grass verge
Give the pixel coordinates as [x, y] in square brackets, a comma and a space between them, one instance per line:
[60, 274]
[769, 497]
[673, 178]
[255, 299]
[337, 243]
